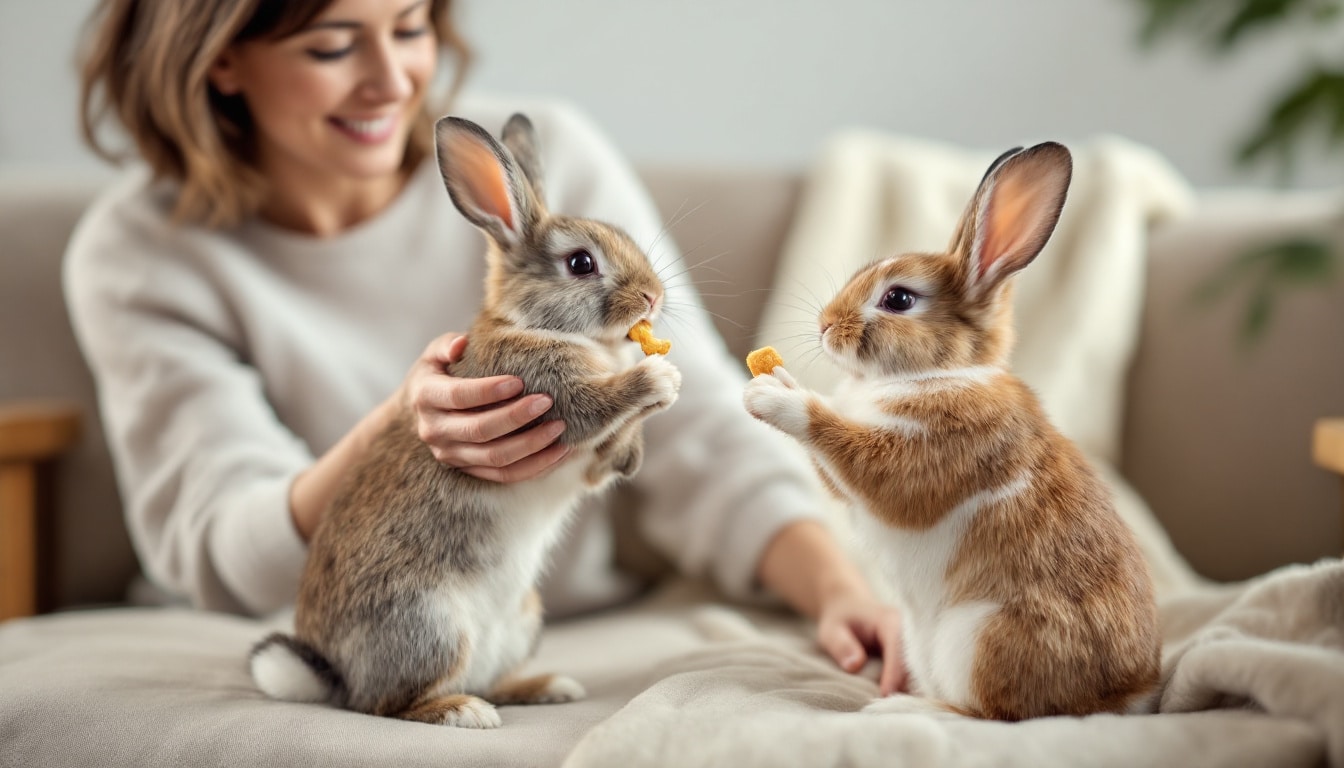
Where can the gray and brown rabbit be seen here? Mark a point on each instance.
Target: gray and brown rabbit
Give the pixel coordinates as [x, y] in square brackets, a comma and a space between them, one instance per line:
[418, 598]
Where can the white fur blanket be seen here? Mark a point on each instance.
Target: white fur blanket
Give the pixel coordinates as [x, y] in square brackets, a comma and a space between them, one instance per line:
[1253, 673]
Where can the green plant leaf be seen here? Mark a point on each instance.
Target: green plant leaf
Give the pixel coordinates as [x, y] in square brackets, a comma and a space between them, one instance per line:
[1255, 321]
[1326, 12]
[1317, 96]
[1254, 14]
[1223, 25]
[1161, 16]
[1313, 102]
[1302, 260]
[1269, 270]
[1227, 276]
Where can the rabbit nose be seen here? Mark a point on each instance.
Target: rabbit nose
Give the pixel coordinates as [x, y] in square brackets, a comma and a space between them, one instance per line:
[826, 327]
[653, 301]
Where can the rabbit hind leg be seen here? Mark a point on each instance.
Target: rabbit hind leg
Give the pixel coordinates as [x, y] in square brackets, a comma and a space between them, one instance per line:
[538, 689]
[459, 709]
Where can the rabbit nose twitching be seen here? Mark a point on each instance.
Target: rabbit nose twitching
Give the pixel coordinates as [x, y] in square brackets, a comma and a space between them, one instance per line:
[653, 301]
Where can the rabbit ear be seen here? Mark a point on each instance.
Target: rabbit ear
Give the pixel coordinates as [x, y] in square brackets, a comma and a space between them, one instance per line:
[1013, 214]
[521, 139]
[994, 166]
[484, 181]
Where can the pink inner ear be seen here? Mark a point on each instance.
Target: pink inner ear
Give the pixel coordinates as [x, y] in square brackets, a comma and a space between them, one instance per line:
[1012, 222]
[483, 176]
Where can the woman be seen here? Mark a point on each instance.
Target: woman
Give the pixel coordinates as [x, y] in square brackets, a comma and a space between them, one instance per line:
[249, 300]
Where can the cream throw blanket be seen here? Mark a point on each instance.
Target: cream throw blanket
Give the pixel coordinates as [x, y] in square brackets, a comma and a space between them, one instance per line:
[763, 696]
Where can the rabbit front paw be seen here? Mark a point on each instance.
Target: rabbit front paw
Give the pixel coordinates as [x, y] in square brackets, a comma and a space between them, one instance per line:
[779, 402]
[626, 462]
[664, 380]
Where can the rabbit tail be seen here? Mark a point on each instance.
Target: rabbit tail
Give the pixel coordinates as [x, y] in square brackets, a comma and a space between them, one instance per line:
[286, 668]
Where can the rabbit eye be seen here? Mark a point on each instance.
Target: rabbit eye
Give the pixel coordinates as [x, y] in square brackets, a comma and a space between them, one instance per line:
[581, 263]
[898, 299]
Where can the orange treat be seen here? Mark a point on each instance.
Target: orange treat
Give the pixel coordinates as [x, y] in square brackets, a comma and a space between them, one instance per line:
[643, 333]
[763, 360]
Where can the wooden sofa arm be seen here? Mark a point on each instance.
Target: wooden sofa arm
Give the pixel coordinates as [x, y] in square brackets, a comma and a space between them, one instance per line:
[1327, 448]
[30, 433]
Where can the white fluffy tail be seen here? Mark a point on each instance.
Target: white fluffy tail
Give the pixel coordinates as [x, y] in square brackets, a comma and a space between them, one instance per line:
[289, 669]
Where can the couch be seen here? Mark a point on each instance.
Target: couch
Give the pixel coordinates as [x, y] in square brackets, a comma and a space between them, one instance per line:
[1217, 438]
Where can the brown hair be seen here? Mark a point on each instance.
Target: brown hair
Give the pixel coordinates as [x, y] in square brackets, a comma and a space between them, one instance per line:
[148, 61]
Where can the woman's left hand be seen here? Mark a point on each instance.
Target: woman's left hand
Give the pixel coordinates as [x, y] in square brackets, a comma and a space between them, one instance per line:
[852, 626]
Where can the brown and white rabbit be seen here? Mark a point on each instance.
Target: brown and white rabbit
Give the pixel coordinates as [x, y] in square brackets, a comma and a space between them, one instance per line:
[1022, 592]
[418, 598]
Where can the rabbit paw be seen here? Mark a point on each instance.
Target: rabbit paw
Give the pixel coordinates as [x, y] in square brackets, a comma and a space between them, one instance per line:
[459, 711]
[561, 690]
[627, 463]
[474, 714]
[665, 380]
[905, 704]
[778, 401]
[542, 689]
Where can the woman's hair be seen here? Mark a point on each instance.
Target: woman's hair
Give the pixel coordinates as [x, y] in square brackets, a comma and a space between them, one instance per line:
[148, 63]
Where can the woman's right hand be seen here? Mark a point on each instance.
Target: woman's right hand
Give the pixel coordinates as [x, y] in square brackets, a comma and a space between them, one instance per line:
[453, 417]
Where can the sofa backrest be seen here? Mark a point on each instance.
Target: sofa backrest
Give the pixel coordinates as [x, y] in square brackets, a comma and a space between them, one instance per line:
[85, 554]
[1216, 437]
[1218, 432]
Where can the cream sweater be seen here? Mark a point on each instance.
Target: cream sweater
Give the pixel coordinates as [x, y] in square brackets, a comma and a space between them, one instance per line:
[227, 360]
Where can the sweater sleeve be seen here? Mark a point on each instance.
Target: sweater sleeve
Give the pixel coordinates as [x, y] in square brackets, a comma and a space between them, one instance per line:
[203, 463]
[716, 485]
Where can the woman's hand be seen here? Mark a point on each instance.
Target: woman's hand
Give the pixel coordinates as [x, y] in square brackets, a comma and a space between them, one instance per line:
[454, 417]
[852, 626]
[471, 440]
[804, 565]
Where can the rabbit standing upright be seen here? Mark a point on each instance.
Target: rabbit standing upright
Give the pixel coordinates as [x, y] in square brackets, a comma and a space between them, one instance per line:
[418, 598]
[1023, 594]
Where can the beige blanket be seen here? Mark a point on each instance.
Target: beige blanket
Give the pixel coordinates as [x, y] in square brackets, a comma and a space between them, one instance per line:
[757, 695]
[1267, 657]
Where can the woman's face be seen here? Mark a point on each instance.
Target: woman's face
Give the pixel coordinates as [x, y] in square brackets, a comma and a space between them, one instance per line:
[339, 97]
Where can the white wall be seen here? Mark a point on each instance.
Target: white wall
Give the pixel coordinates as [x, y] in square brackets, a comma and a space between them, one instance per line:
[763, 82]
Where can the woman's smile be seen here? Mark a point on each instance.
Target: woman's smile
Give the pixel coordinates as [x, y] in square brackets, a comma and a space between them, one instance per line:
[367, 131]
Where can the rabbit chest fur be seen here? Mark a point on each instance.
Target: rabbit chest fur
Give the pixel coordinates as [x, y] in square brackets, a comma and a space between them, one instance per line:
[940, 633]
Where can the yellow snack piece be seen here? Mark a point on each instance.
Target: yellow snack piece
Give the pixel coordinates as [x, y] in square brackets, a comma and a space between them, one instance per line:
[643, 333]
[763, 360]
